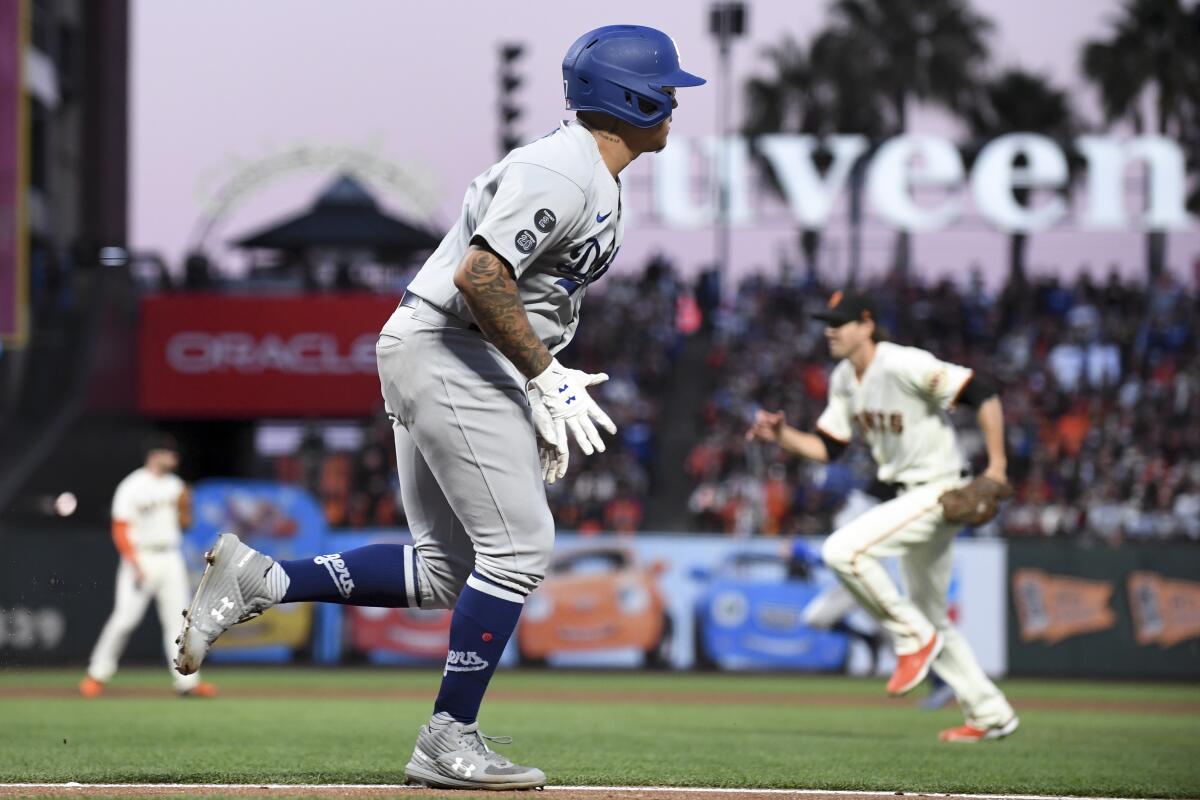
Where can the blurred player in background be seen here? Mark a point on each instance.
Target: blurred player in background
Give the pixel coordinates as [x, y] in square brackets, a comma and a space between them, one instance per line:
[481, 408]
[833, 608]
[897, 398]
[150, 509]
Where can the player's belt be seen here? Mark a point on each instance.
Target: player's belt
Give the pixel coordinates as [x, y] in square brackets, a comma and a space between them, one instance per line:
[157, 548]
[428, 312]
[908, 487]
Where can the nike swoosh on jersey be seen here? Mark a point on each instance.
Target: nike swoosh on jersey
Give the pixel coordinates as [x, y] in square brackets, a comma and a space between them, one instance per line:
[600, 218]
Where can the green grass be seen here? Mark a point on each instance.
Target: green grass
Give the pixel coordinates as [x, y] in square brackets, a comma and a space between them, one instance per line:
[647, 730]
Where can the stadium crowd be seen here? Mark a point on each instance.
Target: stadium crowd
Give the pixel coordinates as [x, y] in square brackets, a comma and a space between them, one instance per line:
[629, 330]
[1100, 383]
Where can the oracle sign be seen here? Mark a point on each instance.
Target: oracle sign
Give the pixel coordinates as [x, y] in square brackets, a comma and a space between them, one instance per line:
[309, 353]
[905, 165]
[208, 355]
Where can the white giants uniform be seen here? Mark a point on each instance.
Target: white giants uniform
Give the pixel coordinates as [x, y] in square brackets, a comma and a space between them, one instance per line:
[470, 474]
[149, 506]
[899, 406]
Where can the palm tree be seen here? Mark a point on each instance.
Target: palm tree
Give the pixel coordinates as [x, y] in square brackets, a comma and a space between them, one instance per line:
[1013, 102]
[822, 90]
[930, 50]
[781, 103]
[1153, 49]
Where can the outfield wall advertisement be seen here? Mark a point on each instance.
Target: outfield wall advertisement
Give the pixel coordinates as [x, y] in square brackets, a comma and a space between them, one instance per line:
[222, 356]
[727, 604]
[655, 602]
[1130, 611]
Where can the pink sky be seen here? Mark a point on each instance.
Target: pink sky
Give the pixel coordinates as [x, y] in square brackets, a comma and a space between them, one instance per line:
[221, 85]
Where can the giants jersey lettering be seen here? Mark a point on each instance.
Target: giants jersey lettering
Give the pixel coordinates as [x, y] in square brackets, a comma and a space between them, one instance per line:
[900, 408]
[552, 210]
[150, 504]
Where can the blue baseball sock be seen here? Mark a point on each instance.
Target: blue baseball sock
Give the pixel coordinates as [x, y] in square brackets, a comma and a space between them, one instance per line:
[383, 575]
[485, 616]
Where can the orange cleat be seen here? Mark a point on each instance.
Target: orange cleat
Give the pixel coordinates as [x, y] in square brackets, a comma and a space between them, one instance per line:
[200, 690]
[912, 668]
[969, 733]
[90, 687]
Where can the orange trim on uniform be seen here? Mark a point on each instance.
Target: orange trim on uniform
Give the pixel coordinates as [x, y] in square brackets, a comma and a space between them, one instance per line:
[120, 534]
[862, 551]
[837, 439]
[958, 395]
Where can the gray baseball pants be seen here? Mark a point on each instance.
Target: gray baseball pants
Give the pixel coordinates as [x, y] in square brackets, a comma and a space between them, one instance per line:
[470, 475]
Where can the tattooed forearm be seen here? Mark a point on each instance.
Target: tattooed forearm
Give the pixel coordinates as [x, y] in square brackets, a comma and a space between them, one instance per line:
[491, 294]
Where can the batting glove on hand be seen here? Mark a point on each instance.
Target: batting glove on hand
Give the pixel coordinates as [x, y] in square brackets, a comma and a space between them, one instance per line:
[553, 454]
[563, 394]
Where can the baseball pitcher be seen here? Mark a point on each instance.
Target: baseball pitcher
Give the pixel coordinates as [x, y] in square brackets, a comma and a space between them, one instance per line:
[481, 408]
[897, 399]
[150, 507]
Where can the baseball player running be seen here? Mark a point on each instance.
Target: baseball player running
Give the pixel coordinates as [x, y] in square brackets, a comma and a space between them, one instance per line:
[897, 399]
[150, 507]
[481, 409]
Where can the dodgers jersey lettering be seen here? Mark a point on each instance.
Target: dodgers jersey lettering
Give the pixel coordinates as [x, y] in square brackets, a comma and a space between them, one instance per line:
[149, 503]
[900, 408]
[552, 210]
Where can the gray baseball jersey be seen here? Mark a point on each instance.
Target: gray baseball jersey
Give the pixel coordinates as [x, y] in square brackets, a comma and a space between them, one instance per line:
[470, 474]
[552, 210]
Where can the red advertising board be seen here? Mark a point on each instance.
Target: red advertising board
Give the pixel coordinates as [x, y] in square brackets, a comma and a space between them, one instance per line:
[212, 355]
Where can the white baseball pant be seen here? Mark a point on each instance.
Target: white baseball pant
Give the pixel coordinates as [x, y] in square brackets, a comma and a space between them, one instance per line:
[165, 579]
[912, 527]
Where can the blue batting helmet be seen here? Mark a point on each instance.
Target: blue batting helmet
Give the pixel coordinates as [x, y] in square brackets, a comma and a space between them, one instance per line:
[621, 70]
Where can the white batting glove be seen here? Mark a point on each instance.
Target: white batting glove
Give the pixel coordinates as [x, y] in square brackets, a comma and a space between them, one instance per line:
[553, 452]
[563, 393]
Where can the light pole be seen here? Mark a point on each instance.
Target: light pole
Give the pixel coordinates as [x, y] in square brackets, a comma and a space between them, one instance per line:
[507, 106]
[726, 20]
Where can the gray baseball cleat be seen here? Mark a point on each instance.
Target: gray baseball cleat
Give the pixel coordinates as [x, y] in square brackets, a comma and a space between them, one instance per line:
[452, 755]
[232, 590]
